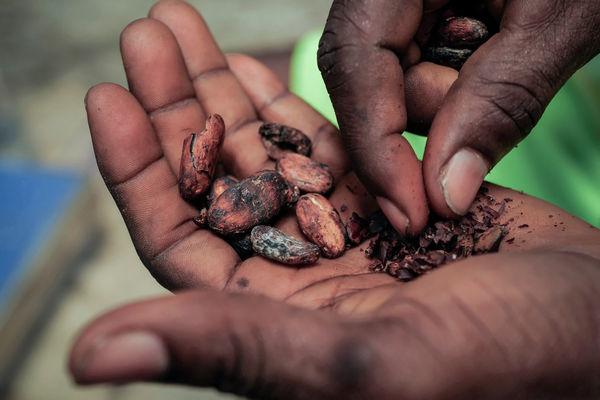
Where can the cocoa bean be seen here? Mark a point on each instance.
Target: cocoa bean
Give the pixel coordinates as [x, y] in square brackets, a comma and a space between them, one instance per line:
[280, 139]
[449, 57]
[308, 175]
[276, 245]
[462, 32]
[199, 158]
[321, 224]
[242, 244]
[219, 185]
[252, 201]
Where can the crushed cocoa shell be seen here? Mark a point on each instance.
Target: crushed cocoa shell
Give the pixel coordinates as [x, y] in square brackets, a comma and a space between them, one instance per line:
[441, 242]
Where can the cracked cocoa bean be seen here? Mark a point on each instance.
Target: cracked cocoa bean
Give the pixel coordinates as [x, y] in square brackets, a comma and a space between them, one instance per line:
[281, 139]
[252, 201]
[199, 158]
[321, 224]
[276, 245]
[449, 57]
[310, 176]
[462, 32]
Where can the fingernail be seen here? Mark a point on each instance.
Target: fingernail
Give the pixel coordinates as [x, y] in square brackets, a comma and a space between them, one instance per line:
[462, 178]
[126, 357]
[397, 218]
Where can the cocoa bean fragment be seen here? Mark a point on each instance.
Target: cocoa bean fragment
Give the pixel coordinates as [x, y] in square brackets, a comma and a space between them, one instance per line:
[357, 229]
[447, 56]
[281, 139]
[462, 32]
[276, 245]
[489, 240]
[219, 185]
[252, 201]
[321, 224]
[310, 176]
[199, 158]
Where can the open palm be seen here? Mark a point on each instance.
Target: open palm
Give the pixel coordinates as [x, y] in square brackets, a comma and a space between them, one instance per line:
[490, 325]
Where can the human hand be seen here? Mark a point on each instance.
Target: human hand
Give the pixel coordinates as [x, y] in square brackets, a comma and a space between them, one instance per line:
[371, 64]
[530, 305]
[521, 323]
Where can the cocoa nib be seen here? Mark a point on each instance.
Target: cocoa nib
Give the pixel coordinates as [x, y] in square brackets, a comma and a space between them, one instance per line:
[442, 241]
[280, 139]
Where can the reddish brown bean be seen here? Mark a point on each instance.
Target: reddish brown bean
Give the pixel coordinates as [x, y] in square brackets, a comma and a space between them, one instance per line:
[321, 224]
[220, 185]
[462, 32]
[199, 158]
[310, 176]
[250, 202]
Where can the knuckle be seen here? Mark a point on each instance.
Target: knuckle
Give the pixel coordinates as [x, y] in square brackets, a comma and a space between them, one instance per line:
[518, 101]
[352, 363]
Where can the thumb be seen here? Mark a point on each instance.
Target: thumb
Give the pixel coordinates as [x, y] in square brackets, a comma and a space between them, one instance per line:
[501, 94]
[236, 343]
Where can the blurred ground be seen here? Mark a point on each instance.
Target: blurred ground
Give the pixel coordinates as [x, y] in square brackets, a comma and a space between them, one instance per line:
[50, 54]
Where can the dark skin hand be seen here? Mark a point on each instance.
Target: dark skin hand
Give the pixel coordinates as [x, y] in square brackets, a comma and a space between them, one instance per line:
[370, 58]
[521, 322]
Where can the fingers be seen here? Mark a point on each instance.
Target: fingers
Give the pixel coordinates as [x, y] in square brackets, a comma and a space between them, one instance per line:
[132, 163]
[242, 344]
[215, 87]
[498, 98]
[358, 59]
[164, 91]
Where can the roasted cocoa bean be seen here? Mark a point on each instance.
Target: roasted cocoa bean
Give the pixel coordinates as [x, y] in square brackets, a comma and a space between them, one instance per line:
[219, 185]
[321, 224]
[242, 244]
[462, 32]
[310, 176]
[280, 139]
[276, 245]
[453, 58]
[252, 201]
[199, 158]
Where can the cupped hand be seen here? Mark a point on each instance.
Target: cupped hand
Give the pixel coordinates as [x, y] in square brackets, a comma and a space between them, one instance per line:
[520, 320]
[371, 62]
[521, 323]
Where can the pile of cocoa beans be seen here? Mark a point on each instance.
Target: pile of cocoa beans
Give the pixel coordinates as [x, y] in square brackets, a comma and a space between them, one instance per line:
[241, 211]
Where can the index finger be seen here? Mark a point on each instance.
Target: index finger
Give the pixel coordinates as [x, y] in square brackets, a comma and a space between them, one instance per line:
[359, 59]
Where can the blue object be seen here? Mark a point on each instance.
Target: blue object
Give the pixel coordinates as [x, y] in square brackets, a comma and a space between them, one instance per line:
[33, 200]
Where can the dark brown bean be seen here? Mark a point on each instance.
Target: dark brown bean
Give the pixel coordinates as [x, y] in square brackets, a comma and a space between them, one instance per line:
[252, 201]
[310, 176]
[276, 245]
[199, 158]
[321, 224]
[449, 57]
[280, 139]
